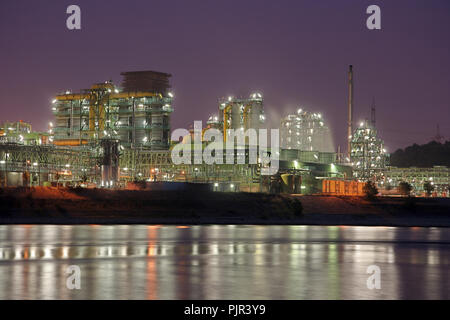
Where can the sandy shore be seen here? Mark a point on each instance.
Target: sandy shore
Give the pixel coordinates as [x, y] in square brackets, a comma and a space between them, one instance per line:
[95, 206]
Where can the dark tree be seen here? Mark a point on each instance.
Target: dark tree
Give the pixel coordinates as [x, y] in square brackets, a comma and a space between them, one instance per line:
[427, 155]
[428, 187]
[57, 177]
[370, 190]
[404, 188]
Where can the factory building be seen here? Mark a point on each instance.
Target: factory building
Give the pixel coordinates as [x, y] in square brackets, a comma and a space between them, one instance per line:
[305, 131]
[438, 176]
[110, 136]
[137, 115]
[20, 132]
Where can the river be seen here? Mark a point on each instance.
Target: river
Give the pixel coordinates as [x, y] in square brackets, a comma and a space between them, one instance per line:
[224, 262]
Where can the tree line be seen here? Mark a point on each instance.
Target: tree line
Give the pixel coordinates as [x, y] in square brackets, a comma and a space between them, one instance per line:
[422, 156]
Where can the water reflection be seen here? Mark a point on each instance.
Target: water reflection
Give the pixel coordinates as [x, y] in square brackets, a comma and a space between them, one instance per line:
[223, 262]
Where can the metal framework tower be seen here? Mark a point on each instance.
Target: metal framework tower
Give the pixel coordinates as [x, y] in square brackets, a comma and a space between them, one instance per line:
[368, 155]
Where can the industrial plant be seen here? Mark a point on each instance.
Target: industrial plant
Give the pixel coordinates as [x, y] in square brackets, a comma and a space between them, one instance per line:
[119, 136]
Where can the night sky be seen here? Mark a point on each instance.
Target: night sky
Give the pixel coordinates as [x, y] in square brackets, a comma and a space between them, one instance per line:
[295, 52]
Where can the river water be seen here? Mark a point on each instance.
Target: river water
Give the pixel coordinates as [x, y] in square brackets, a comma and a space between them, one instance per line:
[224, 262]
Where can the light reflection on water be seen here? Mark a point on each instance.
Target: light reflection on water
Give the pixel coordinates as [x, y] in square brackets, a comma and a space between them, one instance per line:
[223, 262]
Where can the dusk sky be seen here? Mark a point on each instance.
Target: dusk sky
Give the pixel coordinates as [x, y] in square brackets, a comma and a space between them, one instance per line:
[294, 52]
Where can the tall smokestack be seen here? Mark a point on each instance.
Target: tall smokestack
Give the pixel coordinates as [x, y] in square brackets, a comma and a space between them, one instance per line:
[350, 110]
[372, 114]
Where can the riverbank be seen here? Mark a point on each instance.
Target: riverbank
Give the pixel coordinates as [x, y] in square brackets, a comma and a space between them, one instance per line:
[98, 206]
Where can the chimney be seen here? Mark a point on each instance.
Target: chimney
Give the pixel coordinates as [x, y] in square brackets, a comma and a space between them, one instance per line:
[350, 110]
[372, 114]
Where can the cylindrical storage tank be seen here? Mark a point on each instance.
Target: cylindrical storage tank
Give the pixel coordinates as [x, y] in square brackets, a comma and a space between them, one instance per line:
[106, 175]
[288, 183]
[15, 179]
[254, 116]
[110, 176]
[297, 184]
[235, 116]
[115, 173]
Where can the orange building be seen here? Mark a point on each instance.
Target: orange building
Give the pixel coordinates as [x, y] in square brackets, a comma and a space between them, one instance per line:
[342, 187]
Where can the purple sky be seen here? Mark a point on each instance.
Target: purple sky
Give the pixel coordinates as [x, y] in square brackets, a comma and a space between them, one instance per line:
[294, 52]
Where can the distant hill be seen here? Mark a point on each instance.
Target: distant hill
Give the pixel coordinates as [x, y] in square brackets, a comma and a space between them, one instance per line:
[426, 155]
